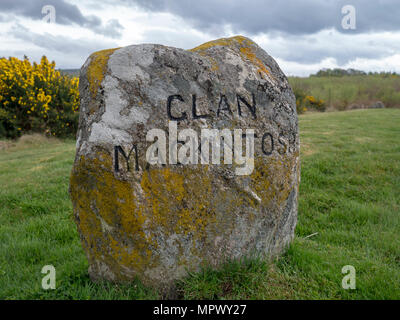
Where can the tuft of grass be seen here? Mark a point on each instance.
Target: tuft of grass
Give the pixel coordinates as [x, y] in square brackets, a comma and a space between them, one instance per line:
[27, 141]
[349, 202]
[247, 278]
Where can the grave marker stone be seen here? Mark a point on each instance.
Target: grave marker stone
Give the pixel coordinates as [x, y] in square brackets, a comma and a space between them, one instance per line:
[184, 158]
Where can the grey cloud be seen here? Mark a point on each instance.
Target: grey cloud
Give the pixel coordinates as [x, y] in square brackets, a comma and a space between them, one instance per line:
[304, 49]
[111, 29]
[66, 14]
[292, 24]
[288, 16]
[77, 47]
[307, 50]
[174, 38]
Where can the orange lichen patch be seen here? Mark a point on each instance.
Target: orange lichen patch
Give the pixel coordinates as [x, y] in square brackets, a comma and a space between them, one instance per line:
[97, 69]
[222, 42]
[249, 54]
[246, 51]
[213, 62]
[201, 49]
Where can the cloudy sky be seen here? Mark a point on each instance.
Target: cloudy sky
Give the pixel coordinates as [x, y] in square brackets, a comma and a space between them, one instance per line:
[302, 35]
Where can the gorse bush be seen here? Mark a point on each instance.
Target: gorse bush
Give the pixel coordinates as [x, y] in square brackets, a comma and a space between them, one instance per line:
[305, 101]
[300, 100]
[36, 98]
[316, 104]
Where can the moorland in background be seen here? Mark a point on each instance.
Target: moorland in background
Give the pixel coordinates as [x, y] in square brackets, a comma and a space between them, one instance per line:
[329, 91]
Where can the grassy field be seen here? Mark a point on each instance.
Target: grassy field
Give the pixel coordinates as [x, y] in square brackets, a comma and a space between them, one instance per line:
[341, 92]
[349, 196]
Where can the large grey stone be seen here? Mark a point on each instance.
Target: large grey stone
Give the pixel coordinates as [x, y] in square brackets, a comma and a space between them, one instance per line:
[158, 220]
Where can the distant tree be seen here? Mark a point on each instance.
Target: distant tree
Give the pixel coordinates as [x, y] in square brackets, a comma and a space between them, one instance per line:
[337, 72]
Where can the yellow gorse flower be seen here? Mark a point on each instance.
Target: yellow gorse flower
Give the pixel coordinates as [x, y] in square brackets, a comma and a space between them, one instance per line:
[37, 90]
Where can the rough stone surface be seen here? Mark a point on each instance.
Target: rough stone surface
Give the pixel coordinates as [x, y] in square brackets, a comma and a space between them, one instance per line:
[156, 221]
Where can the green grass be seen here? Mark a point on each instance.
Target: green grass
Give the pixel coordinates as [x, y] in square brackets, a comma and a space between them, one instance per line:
[349, 196]
[340, 92]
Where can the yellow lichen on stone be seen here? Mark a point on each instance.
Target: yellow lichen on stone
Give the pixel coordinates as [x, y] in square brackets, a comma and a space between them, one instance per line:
[201, 49]
[118, 229]
[97, 69]
[178, 200]
[222, 42]
[248, 53]
[272, 180]
[104, 204]
[214, 64]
